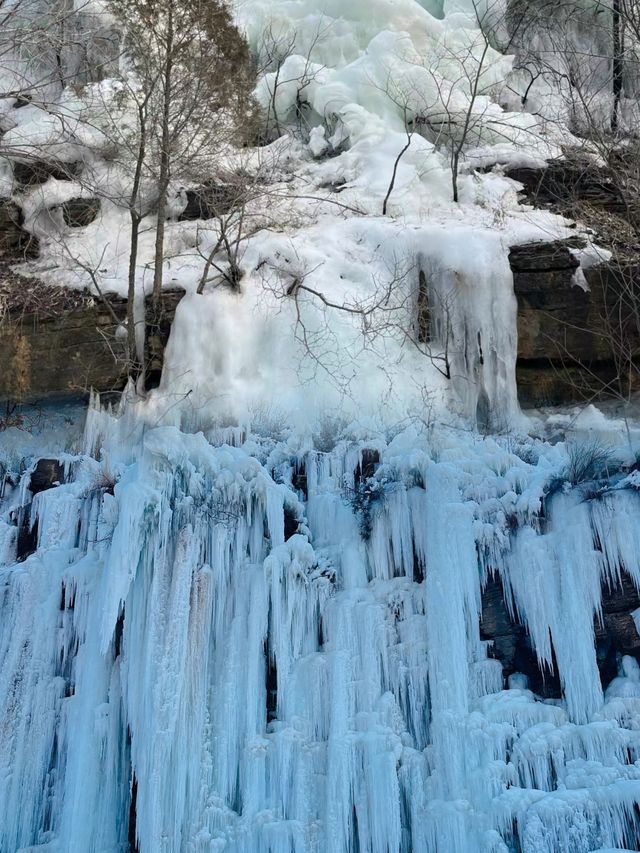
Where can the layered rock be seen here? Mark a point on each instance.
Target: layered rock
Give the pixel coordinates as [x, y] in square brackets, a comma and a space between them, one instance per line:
[616, 634]
[576, 329]
[566, 349]
[564, 183]
[57, 342]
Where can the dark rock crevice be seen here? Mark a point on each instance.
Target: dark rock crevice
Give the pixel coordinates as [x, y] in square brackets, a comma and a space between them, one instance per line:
[132, 834]
[16, 244]
[511, 645]
[271, 682]
[47, 474]
[32, 172]
[614, 630]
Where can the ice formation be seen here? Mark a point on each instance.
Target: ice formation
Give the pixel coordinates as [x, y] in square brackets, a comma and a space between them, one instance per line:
[243, 643]
[233, 622]
[357, 77]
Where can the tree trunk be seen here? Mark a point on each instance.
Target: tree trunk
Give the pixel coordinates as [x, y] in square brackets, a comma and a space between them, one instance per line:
[455, 167]
[132, 353]
[135, 355]
[165, 165]
[618, 69]
[394, 173]
[153, 322]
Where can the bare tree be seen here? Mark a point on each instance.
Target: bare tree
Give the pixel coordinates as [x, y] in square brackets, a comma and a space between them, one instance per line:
[584, 51]
[182, 95]
[447, 96]
[277, 69]
[46, 45]
[400, 307]
[192, 96]
[231, 228]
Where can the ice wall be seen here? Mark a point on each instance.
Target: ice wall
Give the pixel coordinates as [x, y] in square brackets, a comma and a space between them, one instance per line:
[262, 646]
[266, 640]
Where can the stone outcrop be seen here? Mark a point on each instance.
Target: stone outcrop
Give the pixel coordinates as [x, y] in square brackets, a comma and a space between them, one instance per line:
[16, 244]
[510, 642]
[80, 212]
[56, 342]
[565, 331]
[29, 173]
[47, 474]
[564, 341]
[564, 182]
[615, 635]
[213, 198]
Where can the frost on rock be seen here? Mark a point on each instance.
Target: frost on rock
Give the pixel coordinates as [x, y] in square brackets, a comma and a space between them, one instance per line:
[208, 650]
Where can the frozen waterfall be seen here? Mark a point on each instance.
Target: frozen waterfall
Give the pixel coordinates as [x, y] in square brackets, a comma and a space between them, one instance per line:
[247, 643]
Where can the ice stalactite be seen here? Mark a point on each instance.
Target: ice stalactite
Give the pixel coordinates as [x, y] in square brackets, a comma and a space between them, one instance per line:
[204, 652]
[472, 319]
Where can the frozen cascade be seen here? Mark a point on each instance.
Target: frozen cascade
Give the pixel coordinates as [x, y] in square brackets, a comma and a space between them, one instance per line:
[271, 640]
[257, 646]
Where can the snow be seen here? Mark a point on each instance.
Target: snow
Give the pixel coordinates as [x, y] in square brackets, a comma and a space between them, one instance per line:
[364, 75]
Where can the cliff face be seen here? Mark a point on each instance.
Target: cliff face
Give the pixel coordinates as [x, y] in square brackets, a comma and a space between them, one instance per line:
[616, 634]
[566, 349]
[70, 342]
[60, 343]
[578, 331]
[66, 341]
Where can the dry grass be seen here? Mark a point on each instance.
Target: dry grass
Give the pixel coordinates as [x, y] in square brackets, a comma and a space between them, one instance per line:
[21, 294]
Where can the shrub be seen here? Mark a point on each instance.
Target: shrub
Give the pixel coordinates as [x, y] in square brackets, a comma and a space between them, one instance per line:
[588, 460]
[329, 432]
[363, 498]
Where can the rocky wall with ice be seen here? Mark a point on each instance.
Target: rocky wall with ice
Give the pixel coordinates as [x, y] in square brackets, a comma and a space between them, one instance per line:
[250, 643]
[342, 225]
[269, 639]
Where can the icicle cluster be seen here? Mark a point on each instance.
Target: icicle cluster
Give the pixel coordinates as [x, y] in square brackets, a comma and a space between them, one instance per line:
[253, 647]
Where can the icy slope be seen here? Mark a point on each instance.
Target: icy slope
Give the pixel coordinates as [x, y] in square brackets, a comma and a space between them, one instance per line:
[331, 288]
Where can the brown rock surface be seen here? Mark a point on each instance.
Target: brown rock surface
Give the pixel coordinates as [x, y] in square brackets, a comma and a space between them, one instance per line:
[68, 340]
[564, 345]
[565, 351]
[80, 212]
[15, 242]
[615, 634]
[32, 172]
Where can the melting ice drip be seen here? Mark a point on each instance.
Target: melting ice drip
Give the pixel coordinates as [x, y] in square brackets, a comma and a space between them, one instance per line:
[255, 648]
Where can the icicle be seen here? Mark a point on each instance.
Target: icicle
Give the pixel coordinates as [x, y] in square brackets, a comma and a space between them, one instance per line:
[173, 671]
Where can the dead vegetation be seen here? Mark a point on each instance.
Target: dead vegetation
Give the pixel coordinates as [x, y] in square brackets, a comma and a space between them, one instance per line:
[21, 295]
